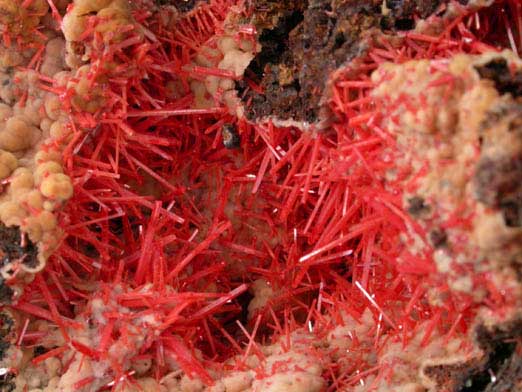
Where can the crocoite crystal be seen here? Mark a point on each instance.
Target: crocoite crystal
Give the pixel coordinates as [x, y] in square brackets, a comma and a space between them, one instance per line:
[246, 217]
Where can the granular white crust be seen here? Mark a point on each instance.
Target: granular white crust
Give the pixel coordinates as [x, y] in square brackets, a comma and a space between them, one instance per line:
[446, 121]
[34, 185]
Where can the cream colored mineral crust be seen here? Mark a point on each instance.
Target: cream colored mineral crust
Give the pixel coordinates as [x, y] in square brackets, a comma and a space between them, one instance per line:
[35, 125]
[449, 122]
[34, 185]
[293, 363]
[231, 51]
